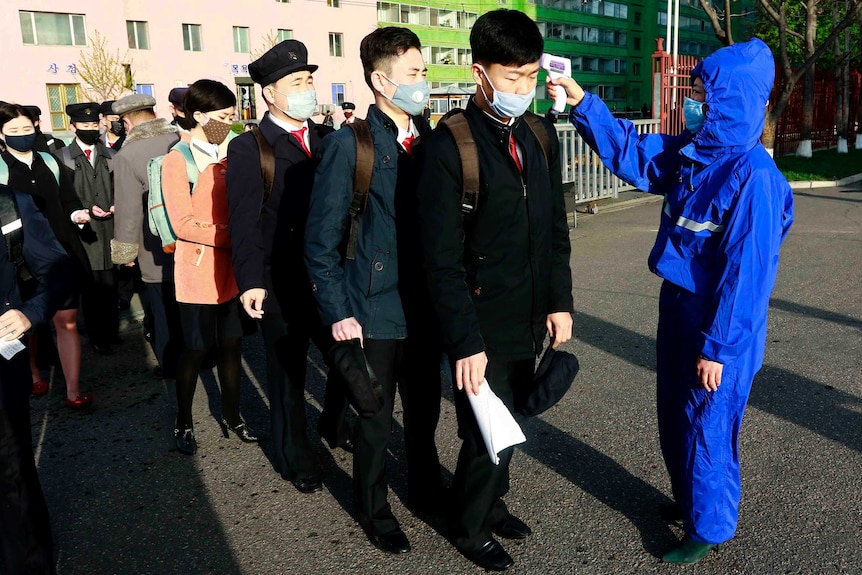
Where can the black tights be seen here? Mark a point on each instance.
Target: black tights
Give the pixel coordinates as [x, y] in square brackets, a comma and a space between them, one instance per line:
[229, 366]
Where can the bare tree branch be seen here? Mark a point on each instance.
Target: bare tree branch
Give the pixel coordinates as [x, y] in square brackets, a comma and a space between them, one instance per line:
[103, 72]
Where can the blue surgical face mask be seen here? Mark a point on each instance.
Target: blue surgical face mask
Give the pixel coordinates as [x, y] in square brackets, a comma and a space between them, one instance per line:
[300, 105]
[21, 143]
[694, 115]
[410, 97]
[507, 104]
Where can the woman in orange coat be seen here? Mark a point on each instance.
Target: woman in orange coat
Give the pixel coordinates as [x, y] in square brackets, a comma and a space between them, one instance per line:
[203, 273]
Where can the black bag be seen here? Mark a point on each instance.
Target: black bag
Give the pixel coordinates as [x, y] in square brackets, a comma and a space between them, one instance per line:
[553, 378]
[363, 390]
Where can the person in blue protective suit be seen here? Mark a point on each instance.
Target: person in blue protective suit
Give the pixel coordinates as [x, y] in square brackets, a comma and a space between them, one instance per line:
[726, 211]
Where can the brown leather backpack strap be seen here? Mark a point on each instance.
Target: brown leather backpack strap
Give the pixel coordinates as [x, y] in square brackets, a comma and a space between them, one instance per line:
[541, 133]
[469, 155]
[361, 180]
[267, 163]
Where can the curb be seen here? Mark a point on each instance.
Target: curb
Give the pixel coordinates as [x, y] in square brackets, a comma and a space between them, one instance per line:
[611, 206]
[817, 184]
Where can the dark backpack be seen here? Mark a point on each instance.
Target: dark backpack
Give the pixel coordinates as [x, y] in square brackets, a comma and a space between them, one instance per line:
[456, 123]
[13, 232]
[267, 163]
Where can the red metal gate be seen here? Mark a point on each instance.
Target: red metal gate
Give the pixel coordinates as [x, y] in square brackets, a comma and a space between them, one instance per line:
[671, 85]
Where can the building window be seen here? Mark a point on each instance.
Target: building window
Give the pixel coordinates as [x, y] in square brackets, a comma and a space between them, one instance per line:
[138, 35]
[336, 40]
[246, 100]
[332, 3]
[636, 42]
[636, 69]
[192, 37]
[52, 29]
[59, 96]
[144, 89]
[240, 39]
[637, 18]
[284, 35]
[338, 94]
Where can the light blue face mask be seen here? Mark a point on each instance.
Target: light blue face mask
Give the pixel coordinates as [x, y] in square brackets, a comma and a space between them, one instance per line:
[507, 104]
[300, 106]
[694, 115]
[410, 97]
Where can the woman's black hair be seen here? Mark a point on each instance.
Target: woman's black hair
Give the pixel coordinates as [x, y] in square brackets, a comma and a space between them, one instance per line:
[206, 96]
[9, 112]
[506, 37]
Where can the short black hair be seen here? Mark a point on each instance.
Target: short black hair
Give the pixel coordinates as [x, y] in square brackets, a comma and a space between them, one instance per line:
[379, 48]
[9, 112]
[506, 37]
[206, 96]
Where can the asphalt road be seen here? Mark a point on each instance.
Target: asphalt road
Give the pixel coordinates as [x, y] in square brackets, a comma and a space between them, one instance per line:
[589, 479]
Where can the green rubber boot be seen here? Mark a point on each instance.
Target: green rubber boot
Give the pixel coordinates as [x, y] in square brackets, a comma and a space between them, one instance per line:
[689, 552]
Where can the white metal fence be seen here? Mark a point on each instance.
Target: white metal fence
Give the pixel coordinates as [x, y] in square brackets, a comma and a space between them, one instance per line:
[582, 167]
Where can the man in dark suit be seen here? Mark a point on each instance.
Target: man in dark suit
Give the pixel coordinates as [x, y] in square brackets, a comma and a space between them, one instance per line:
[349, 109]
[267, 238]
[44, 142]
[25, 536]
[114, 133]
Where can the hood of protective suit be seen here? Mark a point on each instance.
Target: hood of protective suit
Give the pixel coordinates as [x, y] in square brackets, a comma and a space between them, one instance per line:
[738, 81]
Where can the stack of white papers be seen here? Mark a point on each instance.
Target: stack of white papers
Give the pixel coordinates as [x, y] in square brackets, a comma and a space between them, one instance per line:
[499, 429]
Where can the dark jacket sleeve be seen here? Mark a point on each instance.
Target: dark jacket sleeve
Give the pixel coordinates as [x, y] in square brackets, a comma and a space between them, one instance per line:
[244, 198]
[561, 246]
[642, 160]
[47, 262]
[437, 175]
[68, 197]
[328, 217]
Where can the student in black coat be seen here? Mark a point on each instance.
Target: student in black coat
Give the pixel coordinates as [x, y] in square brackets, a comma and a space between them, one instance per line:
[499, 277]
[39, 175]
[25, 537]
[267, 243]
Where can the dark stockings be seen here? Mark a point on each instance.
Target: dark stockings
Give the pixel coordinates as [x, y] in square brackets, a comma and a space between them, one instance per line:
[229, 369]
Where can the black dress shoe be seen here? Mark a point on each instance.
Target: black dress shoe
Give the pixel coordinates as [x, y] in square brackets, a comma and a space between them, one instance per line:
[310, 484]
[512, 528]
[242, 431]
[394, 542]
[186, 442]
[490, 556]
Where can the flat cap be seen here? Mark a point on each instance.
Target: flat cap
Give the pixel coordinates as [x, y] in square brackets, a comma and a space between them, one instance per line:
[83, 112]
[348, 106]
[175, 97]
[282, 59]
[33, 111]
[133, 103]
[106, 108]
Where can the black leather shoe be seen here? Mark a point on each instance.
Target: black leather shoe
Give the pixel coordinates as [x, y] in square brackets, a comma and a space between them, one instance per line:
[242, 431]
[394, 542]
[347, 445]
[186, 442]
[310, 484]
[490, 556]
[512, 528]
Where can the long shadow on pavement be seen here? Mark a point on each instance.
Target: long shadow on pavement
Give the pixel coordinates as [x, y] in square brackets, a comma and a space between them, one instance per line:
[121, 500]
[800, 400]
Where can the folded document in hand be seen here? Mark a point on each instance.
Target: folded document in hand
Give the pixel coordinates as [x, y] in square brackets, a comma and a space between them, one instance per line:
[499, 429]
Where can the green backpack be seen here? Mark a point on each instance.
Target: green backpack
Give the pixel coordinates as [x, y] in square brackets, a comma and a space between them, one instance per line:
[160, 223]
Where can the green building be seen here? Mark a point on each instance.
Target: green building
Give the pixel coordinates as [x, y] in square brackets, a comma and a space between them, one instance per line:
[610, 43]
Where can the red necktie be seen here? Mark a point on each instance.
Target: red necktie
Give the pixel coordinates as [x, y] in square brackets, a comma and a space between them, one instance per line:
[300, 135]
[513, 151]
[88, 153]
[407, 142]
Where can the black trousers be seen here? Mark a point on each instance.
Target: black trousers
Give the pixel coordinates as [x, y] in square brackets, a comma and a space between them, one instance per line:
[479, 485]
[286, 348]
[415, 369]
[167, 331]
[99, 304]
[26, 546]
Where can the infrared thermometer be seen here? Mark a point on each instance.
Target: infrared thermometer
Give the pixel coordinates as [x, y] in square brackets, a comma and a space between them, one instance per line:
[557, 67]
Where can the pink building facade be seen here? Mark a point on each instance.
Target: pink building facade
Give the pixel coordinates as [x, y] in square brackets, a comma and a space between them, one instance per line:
[171, 43]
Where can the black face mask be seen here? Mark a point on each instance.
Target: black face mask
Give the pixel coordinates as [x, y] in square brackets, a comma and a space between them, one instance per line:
[118, 128]
[21, 143]
[89, 137]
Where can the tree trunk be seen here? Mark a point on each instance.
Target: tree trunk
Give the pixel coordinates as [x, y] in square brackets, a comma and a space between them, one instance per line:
[804, 149]
[843, 116]
[767, 138]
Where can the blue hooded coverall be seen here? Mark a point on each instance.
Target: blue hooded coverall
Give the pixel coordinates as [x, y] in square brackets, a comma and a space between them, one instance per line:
[726, 211]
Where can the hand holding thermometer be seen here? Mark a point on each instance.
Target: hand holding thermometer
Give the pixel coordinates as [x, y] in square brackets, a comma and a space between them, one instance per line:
[557, 67]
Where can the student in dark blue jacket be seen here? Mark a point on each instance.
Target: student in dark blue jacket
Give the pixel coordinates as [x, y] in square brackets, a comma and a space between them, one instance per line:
[25, 535]
[727, 209]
